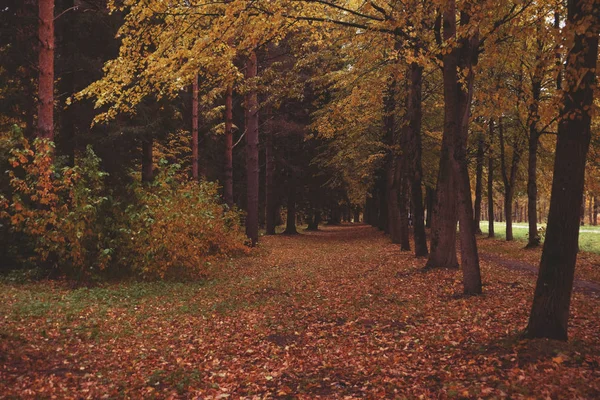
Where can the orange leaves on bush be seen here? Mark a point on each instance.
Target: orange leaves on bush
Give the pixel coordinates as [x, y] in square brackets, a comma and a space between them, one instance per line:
[182, 228]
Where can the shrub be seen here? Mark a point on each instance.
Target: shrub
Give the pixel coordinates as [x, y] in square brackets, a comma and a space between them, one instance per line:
[179, 228]
[57, 209]
[70, 222]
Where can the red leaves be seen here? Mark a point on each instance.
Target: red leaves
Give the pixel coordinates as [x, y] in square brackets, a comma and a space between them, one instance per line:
[334, 314]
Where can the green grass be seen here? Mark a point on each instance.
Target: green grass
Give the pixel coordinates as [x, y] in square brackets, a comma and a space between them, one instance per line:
[589, 238]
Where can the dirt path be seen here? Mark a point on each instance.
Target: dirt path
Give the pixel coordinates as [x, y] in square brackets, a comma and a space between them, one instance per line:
[339, 313]
[586, 287]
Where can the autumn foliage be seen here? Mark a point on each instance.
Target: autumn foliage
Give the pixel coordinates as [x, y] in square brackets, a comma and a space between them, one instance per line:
[75, 226]
[180, 227]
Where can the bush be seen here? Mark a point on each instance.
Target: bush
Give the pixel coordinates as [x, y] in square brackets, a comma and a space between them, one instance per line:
[179, 227]
[58, 210]
[71, 223]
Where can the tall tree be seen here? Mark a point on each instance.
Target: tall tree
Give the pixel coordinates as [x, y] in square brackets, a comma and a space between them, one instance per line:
[551, 302]
[228, 184]
[509, 178]
[252, 166]
[195, 148]
[490, 181]
[479, 181]
[45, 123]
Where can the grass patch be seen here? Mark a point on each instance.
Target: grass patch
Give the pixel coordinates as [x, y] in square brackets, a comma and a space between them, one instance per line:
[589, 236]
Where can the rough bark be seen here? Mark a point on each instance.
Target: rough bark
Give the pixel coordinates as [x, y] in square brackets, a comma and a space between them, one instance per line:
[270, 202]
[464, 58]
[595, 214]
[228, 181]
[252, 166]
[45, 122]
[403, 228]
[550, 311]
[415, 114]
[195, 148]
[66, 138]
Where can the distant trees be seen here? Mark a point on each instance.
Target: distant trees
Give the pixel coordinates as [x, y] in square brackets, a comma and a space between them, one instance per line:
[328, 109]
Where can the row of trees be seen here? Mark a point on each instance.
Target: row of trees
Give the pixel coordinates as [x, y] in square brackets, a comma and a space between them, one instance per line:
[355, 106]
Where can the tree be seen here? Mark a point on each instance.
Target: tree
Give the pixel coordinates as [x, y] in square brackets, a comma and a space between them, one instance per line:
[228, 184]
[551, 302]
[45, 124]
[194, 144]
[252, 167]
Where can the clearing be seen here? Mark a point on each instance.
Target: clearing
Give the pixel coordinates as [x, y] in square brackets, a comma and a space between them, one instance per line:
[332, 314]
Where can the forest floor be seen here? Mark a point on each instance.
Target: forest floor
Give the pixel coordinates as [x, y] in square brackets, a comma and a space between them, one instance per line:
[339, 313]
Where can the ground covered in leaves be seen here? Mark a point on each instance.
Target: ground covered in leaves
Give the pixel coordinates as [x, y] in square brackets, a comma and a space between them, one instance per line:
[339, 313]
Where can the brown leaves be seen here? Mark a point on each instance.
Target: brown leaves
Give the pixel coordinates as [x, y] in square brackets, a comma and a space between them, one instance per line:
[335, 314]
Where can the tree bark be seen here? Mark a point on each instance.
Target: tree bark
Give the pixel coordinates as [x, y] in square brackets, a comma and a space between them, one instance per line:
[429, 199]
[403, 228]
[195, 148]
[66, 137]
[252, 166]
[290, 225]
[595, 214]
[479, 184]
[508, 180]
[270, 202]
[45, 123]
[415, 113]
[550, 311]
[228, 184]
[314, 221]
[463, 58]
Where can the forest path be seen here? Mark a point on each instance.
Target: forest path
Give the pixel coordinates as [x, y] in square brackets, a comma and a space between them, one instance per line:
[587, 287]
[338, 313]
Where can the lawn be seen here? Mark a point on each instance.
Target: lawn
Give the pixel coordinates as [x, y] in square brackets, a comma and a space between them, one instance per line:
[589, 236]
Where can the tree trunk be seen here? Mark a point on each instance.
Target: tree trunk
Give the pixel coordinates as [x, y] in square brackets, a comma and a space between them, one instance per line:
[595, 215]
[228, 184]
[403, 227]
[147, 160]
[590, 209]
[270, 206]
[382, 222]
[463, 58]
[290, 226]
[356, 215]
[314, 221]
[45, 123]
[429, 199]
[509, 180]
[490, 183]
[252, 167]
[393, 206]
[479, 184]
[195, 148]
[66, 137]
[550, 311]
[391, 166]
[415, 112]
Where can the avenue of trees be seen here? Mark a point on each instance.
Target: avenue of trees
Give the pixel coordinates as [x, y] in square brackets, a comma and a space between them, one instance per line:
[405, 115]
